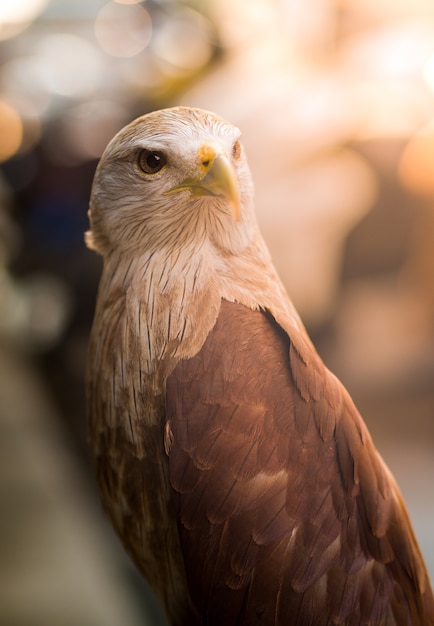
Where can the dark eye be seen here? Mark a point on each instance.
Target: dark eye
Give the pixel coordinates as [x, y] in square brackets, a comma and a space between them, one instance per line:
[151, 161]
[236, 150]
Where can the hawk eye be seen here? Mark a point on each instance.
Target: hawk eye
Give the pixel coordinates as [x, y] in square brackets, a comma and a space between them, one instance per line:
[236, 150]
[151, 161]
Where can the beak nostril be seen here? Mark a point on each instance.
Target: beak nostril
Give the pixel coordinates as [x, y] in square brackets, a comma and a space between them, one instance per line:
[208, 151]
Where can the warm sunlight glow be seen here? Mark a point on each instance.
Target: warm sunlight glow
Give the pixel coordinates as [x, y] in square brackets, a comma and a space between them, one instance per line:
[11, 131]
[416, 168]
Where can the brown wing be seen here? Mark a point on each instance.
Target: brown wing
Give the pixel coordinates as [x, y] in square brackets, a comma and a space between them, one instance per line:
[287, 515]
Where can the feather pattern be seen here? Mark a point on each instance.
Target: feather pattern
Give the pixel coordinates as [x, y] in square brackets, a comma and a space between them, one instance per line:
[233, 465]
[322, 521]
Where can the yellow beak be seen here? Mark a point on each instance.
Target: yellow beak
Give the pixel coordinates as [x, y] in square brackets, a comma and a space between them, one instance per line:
[216, 177]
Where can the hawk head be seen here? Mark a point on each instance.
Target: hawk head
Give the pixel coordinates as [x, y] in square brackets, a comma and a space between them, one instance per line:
[173, 179]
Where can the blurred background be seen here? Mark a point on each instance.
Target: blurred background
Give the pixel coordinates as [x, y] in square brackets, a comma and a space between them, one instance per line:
[335, 100]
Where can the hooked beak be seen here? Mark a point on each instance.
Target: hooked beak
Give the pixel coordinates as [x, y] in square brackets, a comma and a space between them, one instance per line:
[216, 177]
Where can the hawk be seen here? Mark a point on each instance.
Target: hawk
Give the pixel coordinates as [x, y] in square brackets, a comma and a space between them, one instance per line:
[234, 466]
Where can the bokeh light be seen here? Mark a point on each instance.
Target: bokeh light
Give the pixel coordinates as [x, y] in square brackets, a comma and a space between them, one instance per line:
[11, 131]
[16, 15]
[416, 167]
[67, 65]
[184, 41]
[20, 79]
[123, 30]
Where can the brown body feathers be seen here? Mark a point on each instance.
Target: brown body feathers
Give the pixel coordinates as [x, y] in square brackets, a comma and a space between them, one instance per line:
[233, 464]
